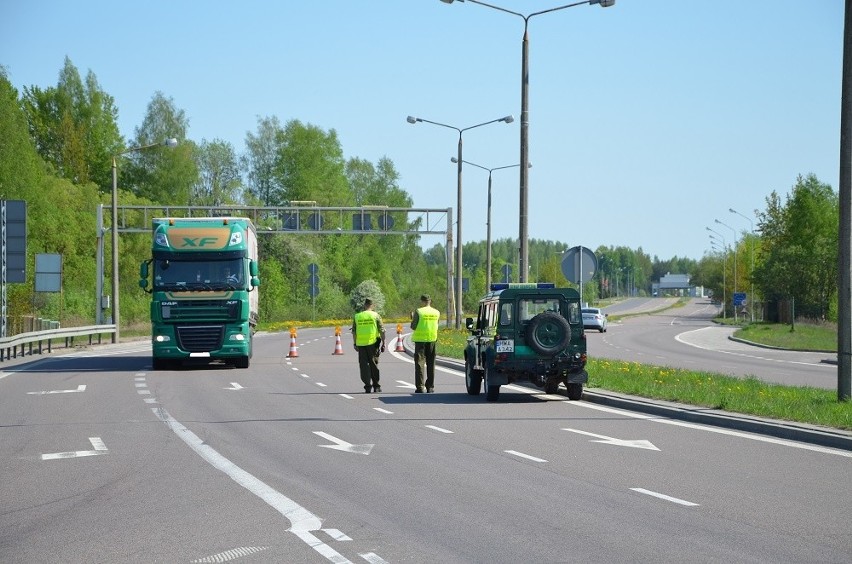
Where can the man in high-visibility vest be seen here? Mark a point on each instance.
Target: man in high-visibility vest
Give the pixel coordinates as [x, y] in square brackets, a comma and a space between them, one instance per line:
[424, 322]
[369, 336]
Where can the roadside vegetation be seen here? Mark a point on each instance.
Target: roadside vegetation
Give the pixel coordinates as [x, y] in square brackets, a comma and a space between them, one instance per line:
[715, 391]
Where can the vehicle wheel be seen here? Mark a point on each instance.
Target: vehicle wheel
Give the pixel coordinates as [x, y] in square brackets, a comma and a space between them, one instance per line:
[472, 378]
[551, 387]
[159, 363]
[242, 362]
[575, 391]
[548, 333]
[492, 391]
[602, 330]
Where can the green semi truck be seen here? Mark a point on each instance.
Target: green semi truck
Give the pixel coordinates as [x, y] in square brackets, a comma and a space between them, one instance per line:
[204, 297]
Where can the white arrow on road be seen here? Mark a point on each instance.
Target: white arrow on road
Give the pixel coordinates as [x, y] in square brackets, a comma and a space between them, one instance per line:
[80, 388]
[343, 445]
[640, 443]
[97, 444]
[235, 386]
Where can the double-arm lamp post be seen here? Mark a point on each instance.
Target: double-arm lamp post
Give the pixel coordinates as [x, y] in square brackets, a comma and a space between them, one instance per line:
[751, 256]
[734, 231]
[523, 235]
[171, 142]
[414, 120]
[724, 270]
[488, 219]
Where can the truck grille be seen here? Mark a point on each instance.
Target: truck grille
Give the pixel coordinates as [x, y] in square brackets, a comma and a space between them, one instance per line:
[201, 310]
[200, 338]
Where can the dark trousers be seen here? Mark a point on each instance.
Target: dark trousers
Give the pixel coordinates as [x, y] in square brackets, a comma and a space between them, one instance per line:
[424, 354]
[368, 363]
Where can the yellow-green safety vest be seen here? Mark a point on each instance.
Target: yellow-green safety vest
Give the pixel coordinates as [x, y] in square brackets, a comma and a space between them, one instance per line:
[427, 325]
[366, 331]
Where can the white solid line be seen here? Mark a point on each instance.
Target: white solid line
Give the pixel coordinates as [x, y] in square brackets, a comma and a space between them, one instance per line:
[522, 455]
[336, 535]
[665, 497]
[80, 388]
[347, 396]
[710, 429]
[380, 410]
[302, 521]
[97, 444]
[404, 384]
[439, 429]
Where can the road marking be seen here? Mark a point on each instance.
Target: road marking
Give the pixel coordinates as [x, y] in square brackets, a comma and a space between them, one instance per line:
[404, 384]
[97, 444]
[80, 388]
[373, 558]
[302, 522]
[340, 444]
[321, 385]
[143, 392]
[305, 376]
[743, 354]
[149, 400]
[665, 497]
[522, 455]
[347, 396]
[336, 535]
[385, 411]
[229, 555]
[235, 387]
[636, 443]
[710, 429]
[439, 429]
[140, 385]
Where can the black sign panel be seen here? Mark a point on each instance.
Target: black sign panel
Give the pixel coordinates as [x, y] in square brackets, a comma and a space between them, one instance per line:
[15, 242]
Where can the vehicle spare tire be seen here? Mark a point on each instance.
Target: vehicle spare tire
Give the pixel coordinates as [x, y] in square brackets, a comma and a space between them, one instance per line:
[548, 333]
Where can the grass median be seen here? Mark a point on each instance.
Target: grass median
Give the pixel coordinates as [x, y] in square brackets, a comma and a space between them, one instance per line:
[751, 396]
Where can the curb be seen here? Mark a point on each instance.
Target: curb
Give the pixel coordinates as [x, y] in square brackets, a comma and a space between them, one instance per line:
[821, 436]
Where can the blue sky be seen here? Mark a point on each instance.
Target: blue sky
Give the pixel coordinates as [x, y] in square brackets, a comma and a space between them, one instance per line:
[648, 120]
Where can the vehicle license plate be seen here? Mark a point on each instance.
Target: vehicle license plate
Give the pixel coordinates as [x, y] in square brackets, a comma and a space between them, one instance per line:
[506, 346]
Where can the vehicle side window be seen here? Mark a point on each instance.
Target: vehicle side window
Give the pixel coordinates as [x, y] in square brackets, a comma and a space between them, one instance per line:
[574, 315]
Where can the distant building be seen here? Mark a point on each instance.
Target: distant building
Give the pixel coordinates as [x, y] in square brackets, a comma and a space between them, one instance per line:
[676, 285]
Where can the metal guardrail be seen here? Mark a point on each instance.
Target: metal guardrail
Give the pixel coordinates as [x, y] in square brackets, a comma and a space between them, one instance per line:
[25, 341]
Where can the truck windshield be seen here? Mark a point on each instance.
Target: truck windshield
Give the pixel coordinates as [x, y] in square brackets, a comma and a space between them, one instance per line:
[204, 275]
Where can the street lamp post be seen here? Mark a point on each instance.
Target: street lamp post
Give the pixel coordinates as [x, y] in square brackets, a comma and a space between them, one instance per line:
[734, 231]
[724, 271]
[414, 120]
[171, 142]
[523, 234]
[751, 259]
[488, 218]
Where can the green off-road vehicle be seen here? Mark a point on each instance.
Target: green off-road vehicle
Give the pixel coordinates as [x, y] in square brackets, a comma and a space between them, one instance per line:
[526, 332]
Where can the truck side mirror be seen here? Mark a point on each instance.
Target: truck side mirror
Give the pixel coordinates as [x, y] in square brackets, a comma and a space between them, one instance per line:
[469, 323]
[143, 275]
[253, 268]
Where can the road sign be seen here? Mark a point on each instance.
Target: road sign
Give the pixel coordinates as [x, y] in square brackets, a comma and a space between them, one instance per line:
[578, 264]
[739, 298]
[507, 273]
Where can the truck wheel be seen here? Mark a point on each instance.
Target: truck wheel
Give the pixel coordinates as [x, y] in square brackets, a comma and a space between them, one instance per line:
[575, 391]
[548, 333]
[242, 362]
[492, 391]
[159, 363]
[472, 378]
[551, 387]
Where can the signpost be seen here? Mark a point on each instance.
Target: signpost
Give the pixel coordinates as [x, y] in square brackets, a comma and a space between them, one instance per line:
[579, 263]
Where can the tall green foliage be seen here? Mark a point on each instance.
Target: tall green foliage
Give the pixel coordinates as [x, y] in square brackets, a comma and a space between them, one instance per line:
[798, 254]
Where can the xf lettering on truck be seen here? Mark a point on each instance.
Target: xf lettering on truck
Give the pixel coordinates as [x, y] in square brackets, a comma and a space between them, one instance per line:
[199, 242]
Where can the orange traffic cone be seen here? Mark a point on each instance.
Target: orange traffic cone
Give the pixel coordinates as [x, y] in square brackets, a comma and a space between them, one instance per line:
[399, 347]
[338, 346]
[293, 350]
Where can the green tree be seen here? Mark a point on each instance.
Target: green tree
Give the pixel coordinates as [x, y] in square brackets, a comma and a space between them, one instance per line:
[310, 166]
[367, 289]
[798, 254]
[258, 162]
[74, 126]
[160, 174]
[219, 179]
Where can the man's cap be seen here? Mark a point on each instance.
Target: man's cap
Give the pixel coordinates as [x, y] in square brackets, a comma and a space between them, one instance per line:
[425, 298]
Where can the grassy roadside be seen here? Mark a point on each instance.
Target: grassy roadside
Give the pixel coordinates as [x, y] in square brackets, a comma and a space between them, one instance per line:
[706, 389]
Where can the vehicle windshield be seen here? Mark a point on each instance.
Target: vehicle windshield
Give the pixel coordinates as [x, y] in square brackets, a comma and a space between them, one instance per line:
[199, 275]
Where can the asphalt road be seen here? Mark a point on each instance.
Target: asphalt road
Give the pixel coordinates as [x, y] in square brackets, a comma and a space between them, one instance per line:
[105, 460]
[686, 337]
